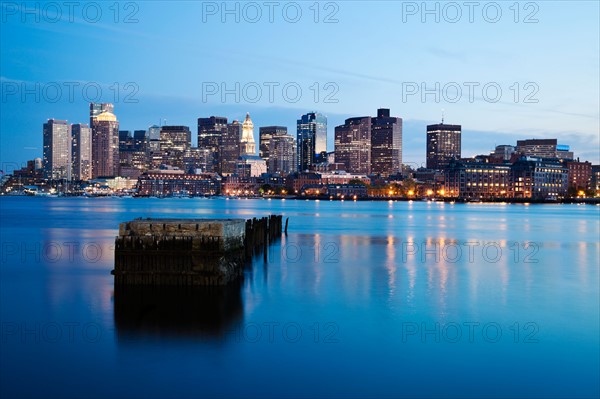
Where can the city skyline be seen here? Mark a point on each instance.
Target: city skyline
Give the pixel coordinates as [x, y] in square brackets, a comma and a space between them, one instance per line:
[211, 129]
[366, 160]
[475, 142]
[566, 108]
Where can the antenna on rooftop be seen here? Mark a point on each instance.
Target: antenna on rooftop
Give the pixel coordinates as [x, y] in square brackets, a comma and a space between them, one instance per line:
[442, 116]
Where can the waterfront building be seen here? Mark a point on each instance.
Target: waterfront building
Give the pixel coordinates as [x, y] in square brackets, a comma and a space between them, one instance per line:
[353, 145]
[210, 136]
[153, 139]
[265, 134]
[174, 141]
[230, 148]
[168, 183]
[295, 181]
[595, 180]
[443, 145]
[282, 154]
[476, 180]
[198, 159]
[133, 156]
[311, 140]
[539, 178]
[343, 177]
[580, 175]
[247, 143]
[57, 149]
[241, 185]
[81, 151]
[386, 143]
[105, 140]
[346, 191]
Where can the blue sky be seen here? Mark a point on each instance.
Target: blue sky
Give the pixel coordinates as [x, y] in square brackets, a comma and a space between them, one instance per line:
[167, 56]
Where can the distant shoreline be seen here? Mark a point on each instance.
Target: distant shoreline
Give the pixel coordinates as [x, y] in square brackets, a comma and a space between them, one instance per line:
[586, 201]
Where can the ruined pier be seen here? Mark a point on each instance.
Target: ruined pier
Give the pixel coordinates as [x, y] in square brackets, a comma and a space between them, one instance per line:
[190, 252]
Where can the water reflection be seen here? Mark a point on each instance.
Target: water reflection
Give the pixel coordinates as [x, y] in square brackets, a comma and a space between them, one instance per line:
[171, 311]
[367, 275]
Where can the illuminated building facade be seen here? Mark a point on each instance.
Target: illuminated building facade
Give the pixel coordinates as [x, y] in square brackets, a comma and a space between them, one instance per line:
[155, 183]
[311, 140]
[81, 151]
[580, 175]
[230, 148]
[282, 154]
[595, 181]
[174, 142]
[57, 149]
[198, 159]
[247, 143]
[265, 134]
[543, 148]
[210, 136]
[353, 145]
[538, 178]
[476, 180]
[386, 143]
[443, 145]
[105, 140]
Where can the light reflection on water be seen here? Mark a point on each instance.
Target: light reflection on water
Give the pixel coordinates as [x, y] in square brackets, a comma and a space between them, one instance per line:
[367, 267]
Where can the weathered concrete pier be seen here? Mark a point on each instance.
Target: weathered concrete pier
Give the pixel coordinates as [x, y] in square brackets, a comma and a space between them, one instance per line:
[188, 252]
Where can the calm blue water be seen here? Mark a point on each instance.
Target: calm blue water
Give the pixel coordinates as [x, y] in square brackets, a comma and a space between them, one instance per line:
[361, 299]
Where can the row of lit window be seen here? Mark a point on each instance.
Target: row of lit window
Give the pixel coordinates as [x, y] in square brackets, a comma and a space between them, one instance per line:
[486, 184]
[487, 171]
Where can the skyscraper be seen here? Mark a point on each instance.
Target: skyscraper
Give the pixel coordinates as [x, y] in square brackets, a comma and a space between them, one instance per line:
[105, 140]
[153, 156]
[386, 143]
[311, 139]
[248, 145]
[230, 148]
[153, 138]
[305, 142]
[140, 140]
[57, 149]
[98, 108]
[210, 134]
[282, 154]
[133, 153]
[443, 144]
[174, 141]
[353, 145]
[265, 133]
[81, 151]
